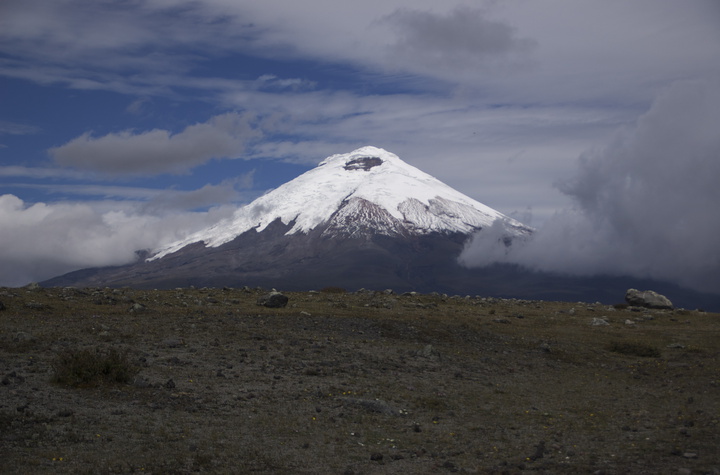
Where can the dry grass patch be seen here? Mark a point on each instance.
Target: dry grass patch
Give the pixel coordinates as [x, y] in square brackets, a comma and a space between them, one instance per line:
[84, 367]
[630, 348]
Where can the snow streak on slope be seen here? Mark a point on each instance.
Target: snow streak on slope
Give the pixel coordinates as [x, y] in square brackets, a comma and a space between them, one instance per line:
[366, 191]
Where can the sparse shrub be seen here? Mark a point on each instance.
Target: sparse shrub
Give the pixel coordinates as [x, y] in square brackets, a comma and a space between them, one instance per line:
[620, 306]
[634, 349]
[86, 367]
[333, 290]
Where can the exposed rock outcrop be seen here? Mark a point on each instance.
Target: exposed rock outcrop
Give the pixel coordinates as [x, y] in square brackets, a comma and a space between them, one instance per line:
[647, 299]
[273, 300]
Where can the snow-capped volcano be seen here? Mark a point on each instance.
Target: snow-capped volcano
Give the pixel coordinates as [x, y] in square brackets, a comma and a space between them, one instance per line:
[368, 191]
[363, 219]
[360, 219]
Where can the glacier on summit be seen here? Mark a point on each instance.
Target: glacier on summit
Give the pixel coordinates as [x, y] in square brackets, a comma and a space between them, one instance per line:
[368, 191]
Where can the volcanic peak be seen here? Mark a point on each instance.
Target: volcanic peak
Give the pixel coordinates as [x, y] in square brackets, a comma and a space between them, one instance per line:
[366, 192]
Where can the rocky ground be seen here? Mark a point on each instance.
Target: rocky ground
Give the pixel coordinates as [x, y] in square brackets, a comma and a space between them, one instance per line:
[205, 380]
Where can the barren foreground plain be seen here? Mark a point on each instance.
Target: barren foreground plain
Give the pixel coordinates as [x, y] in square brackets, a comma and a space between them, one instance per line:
[206, 381]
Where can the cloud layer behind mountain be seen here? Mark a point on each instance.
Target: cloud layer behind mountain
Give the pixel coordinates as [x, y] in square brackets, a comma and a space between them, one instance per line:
[645, 205]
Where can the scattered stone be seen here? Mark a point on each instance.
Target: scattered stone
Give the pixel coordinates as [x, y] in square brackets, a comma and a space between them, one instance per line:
[647, 299]
[33, 286]
[20, 337]
[35, 305]
[629, 322]
[501, 320]
[137, 307]
[690, 455]
[428, 352]
[172, 342]
[273, 300]
[598, 322]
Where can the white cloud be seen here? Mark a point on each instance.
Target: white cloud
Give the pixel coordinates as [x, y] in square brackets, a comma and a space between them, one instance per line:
[159, 151]
[646, 204]
[46, 240]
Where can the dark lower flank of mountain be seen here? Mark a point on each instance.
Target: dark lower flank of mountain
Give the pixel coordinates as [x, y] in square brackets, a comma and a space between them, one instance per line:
[426, 263]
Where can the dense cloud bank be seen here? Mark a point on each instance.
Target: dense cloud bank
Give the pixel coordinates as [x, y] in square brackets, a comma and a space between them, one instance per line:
[645, 205]
[46, 240]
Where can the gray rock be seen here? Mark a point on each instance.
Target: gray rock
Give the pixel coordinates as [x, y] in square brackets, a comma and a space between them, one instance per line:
[22, 336]
[172, 342]
[647, 299]
[141, 382]
[597, 322]
[273, 300]
[428, 352]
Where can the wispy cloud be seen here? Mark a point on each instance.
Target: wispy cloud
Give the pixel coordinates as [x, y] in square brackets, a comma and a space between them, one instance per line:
[12, 128]
[159, 151]
[40, 172]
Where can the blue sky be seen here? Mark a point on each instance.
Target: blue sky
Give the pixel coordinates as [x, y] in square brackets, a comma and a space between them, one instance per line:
[126, 125]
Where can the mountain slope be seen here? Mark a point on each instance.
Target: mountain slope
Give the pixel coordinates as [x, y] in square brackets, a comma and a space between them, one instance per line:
[364, 193]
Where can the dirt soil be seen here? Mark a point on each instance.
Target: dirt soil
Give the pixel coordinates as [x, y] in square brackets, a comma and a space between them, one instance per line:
[207, 381]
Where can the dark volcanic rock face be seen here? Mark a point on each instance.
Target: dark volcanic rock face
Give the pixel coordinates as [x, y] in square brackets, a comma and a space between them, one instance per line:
[363, 163]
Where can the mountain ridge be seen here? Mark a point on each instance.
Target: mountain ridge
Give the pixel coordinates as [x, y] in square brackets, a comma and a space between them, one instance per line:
[341, 186]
